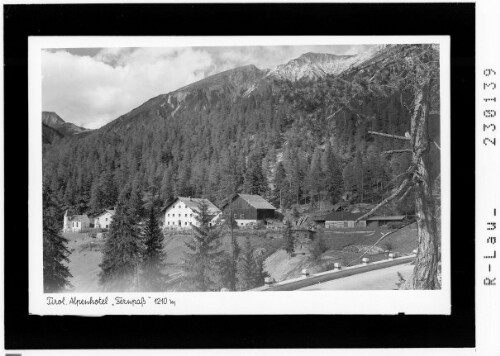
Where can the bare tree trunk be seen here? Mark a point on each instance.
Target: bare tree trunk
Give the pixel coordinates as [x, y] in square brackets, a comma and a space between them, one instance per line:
[426, 266]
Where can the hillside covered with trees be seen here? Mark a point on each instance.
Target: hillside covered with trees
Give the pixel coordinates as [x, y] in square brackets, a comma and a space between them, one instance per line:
[245, 130]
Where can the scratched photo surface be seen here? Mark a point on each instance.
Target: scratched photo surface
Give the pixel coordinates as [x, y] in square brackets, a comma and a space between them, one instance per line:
[240, 168]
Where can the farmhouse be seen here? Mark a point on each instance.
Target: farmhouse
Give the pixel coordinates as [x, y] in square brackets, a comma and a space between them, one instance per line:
[181, 213]
[376, 221]
[249, 209]
[103, 219]
[343, 220]
[75, 223]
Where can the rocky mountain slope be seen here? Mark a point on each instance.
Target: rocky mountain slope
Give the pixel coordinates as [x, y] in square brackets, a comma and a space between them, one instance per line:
[55, 122]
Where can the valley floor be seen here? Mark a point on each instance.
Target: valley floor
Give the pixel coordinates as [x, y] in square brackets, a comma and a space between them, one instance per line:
[341, 246]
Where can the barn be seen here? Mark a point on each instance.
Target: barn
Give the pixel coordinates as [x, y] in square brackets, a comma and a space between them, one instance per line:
[249, 209]
[343, 220]
[376, 221]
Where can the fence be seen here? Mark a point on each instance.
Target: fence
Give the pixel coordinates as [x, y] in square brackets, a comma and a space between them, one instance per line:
[93, 230]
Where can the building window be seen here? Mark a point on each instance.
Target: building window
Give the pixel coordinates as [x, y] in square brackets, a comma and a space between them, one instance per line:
[191, 215]
[186, 215]
[241, 224]
[185, 223]
[242, 216]
[179, 215]
[168, 215]
[106, 219]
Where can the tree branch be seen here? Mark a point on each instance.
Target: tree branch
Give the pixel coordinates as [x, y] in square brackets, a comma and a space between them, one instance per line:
[403, 185]
[397, 151]
[406, 193]
[391, 136]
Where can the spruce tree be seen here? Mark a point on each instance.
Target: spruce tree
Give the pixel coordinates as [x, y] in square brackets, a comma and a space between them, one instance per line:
[55, 252]
[332, 177]
[122, 250]
[203, 252]
[314, 176]
[254, 181]
[153, 258]
[229, 265]
[250, 270]
[288, 237]
[281, 186]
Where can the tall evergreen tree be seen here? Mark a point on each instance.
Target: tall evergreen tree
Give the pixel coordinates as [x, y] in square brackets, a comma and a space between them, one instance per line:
[200, 262]
[55, 252]
[255, 182]
[314, 176]
[135, 203]
[122, 250]
[228, 266]
[288, 237]
[153, 257]
[250, 270]
[333, 182]
[281, 186]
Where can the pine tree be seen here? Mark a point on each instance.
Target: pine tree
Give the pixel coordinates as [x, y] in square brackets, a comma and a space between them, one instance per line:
[254, 182]
[281, 186]
[203, 252]
[250, 270]
[314, 176]
[55, 252]
[122, 250]
[230, 261]
[153, 257]
[333, 182]
[288, 237]
[135, 202]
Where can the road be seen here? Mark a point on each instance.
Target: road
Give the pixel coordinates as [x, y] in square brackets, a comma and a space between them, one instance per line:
[381, 279]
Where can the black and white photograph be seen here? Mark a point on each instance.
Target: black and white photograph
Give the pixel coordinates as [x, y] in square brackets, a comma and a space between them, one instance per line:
[251, 167]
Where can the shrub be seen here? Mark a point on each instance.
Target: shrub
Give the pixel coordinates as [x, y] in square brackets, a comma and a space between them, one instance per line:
[388, 246]
[395, 225]
[318, 247]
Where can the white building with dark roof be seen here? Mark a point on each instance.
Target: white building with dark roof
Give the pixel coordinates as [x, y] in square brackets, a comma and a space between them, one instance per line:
[181, 213]
[75, 223]
[103, 219]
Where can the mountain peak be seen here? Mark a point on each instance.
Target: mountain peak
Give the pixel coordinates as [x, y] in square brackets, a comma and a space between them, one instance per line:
[312, 66]
[317, 57]
[50, 118]
[54, 121]
[315, 66]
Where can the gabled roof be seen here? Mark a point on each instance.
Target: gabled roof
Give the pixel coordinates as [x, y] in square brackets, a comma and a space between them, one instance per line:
[386, 217]
[193, 204]
[78, 217]
[112, 212]
[342, 216]
[255, 201]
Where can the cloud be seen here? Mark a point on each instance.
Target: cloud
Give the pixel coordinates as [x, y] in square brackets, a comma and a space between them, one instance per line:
[91, 91]
[91, 87]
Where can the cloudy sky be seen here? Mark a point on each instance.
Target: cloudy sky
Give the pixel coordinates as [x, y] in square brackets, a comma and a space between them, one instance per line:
[93, 86]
